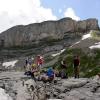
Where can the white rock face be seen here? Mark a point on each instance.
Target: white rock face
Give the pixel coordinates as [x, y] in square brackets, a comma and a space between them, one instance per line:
[4, 96]
[26, 90]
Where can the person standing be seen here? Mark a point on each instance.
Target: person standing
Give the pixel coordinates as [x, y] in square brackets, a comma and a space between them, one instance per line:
[40, 61]
[76, 66]
[26, 62]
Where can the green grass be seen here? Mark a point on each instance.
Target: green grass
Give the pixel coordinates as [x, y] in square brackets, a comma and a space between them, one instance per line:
[89, 62]
[95, 35]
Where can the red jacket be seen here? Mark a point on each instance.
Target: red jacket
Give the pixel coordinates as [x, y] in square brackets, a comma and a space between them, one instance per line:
[40, 60]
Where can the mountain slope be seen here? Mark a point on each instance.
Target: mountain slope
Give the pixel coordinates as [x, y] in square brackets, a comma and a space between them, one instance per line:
[37, 32]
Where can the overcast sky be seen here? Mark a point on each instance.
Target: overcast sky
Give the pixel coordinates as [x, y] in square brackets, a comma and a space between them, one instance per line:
[18, 12]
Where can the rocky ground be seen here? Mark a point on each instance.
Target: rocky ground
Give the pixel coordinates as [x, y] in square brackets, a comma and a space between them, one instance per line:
[21, 87]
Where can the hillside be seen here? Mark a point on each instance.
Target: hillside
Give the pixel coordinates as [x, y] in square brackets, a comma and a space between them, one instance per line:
[88, 49]
[80, 39]
[44, 38]
[36, 33]
[85, 42]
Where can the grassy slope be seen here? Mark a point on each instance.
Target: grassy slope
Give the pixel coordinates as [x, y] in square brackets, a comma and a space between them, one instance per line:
[89, 62]
[89, 59]
[95, 35]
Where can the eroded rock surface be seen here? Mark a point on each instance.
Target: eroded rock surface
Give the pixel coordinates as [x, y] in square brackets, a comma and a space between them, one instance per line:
[20, 87]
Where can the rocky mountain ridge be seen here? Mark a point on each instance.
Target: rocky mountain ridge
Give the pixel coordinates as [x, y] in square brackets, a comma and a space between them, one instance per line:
[49, 30]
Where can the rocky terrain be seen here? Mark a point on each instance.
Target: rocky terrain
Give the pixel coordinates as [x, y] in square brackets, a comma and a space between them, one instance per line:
[55, 40]
[20, 87]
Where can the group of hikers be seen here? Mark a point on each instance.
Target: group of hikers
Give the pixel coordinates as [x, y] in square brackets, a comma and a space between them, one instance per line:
[64, 68]
[34, 66]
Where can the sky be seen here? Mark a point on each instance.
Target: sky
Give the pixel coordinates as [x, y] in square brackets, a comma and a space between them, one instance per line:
[23, 12]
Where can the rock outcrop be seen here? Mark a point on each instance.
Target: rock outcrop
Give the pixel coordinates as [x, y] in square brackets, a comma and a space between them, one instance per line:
[49, 30]
[21, 87]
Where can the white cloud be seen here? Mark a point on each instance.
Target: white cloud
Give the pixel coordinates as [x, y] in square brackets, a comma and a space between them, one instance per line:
[70, 13]
[15, 12]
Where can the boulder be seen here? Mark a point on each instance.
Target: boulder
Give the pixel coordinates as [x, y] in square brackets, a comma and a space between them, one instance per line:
[26, 90]
[74, 83]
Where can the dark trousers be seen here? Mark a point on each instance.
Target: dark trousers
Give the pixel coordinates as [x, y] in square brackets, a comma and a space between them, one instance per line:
[29, 73]
[63, 73]
[76, 71]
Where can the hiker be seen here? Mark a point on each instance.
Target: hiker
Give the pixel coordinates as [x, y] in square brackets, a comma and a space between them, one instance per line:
[63, 72]
[40, 61]
[28, 69]
[49, 76]
[26, 62]
[34, 69]
[57, 74]
[30, 61]
[76, 66]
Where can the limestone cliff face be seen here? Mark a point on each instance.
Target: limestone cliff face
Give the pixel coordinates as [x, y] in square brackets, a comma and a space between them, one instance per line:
[30, 34]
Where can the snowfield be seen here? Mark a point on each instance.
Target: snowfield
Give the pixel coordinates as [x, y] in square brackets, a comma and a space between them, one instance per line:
[86, 36]
[53, 55]
[9, 64]
[97, 45]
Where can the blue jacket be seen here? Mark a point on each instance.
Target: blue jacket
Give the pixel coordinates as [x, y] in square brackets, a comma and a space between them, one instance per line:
[50, 72]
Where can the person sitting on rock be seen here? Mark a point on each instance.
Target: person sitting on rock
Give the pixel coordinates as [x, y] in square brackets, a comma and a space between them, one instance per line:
[63, 72]
[57, 74]
[49, 76]
[31, 70]
[34, 68]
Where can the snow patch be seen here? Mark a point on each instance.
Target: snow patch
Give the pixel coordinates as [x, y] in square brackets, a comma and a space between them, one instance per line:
[58, 53]
[3, 95]
[10, 63]
[97, 45]
[75, 43]
[86, 36]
